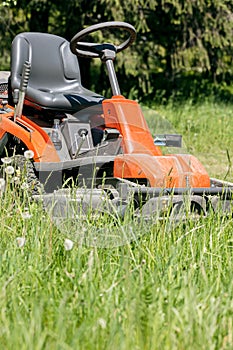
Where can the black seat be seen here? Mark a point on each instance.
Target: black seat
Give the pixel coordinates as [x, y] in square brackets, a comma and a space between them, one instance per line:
[55, 82]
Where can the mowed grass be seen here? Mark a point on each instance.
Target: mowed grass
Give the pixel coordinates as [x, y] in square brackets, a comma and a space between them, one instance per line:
[168, 289]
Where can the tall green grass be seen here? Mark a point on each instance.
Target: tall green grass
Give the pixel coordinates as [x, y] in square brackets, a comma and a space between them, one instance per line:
[207, 131]
[168, 289]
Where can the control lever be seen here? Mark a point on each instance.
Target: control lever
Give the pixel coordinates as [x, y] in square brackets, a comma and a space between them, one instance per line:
[83, 134]
[19, 94]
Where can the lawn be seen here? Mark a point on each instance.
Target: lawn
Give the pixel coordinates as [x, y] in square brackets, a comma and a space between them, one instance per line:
[168, 289]
[207, 132]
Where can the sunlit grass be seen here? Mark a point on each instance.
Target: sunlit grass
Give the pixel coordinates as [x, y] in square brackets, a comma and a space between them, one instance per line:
[207, 132]
[169, 290]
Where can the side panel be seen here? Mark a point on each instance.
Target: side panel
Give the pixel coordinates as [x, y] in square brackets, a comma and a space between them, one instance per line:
[34, 137]
[126, 116]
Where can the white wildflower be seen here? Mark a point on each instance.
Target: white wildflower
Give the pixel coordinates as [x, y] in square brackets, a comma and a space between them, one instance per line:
[9, 170]
[26, 215]
[102, 323]
[24, 186]
[29, 154]
[20, 241]
[16, 180]
[6, 160]
[68, 244]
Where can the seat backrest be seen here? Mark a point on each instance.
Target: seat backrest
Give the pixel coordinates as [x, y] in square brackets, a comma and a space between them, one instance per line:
[53, 65]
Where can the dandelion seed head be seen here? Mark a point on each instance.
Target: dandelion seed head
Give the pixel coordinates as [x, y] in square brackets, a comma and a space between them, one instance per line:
[16, 180]
[102, 323]
[24, 186]
[29, 154]
[9, 170]
[26, 215]
[68, 244]
[20, 241]
[6, 160]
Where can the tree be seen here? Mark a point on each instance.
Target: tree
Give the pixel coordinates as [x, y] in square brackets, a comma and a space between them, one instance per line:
[173, 37]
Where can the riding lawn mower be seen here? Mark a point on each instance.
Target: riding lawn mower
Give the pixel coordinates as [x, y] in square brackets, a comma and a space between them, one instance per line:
[102, 146]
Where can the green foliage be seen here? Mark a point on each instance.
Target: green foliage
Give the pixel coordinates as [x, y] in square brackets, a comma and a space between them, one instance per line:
[175, 37]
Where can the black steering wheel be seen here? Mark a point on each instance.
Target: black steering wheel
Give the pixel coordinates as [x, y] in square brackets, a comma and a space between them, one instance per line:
[93, 50]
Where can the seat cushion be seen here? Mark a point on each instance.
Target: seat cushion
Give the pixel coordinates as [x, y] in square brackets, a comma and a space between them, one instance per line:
[54, 81]
[66, 101]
